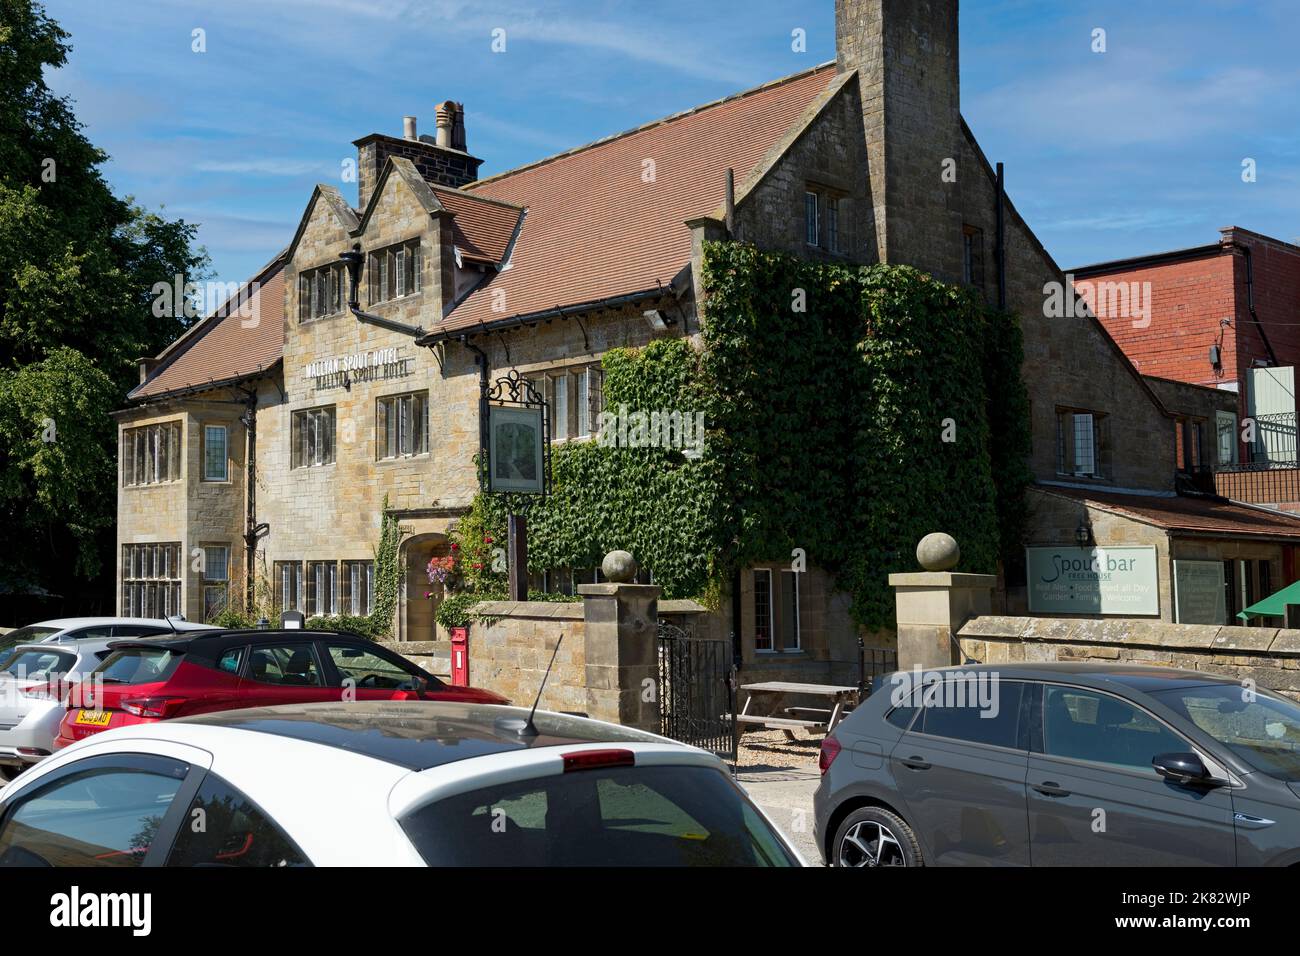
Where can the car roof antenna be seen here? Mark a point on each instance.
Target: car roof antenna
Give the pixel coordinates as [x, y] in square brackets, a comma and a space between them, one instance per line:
[528, 728]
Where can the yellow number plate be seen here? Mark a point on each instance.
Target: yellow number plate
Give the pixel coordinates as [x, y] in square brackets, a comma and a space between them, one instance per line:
[94, 718]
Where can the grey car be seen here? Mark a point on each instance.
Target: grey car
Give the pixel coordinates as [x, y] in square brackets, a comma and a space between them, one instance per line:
[34, 679]
[1062, 764]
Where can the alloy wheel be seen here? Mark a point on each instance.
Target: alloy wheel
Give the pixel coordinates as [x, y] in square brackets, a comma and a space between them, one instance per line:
[869, 843]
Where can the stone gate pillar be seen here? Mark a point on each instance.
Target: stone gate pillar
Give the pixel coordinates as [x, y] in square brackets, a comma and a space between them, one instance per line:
[931, 605]
[620, 631]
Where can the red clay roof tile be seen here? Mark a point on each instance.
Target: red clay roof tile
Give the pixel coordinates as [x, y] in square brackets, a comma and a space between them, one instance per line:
[229, 347]
[598, 226]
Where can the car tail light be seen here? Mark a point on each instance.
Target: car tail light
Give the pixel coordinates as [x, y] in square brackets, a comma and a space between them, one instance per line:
[591, 759]
[51, 691]
[160, 707]
[830, 750]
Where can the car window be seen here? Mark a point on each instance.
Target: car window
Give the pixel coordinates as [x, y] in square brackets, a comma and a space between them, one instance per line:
[97, 632]
[1262, 729]
[36, 665]
[976, 711]
[139, 630]
[287, 664]
[138, 665]
[102, 817]
[231, 659]
[1087, 725]
[367, 669]
[615, 816]
[225, 828]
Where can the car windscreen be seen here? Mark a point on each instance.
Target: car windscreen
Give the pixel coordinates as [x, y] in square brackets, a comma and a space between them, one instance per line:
[613, 816]
[38, 665]
[1261, 728]
[138, 665]
[31, 634]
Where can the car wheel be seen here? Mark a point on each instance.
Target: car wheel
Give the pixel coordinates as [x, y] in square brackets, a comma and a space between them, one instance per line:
[875, 837]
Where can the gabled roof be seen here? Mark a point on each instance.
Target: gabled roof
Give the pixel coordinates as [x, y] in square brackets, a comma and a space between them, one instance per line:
[482, 228]
[406, 171]
[333, 199]
[232, 344]
[609, 219]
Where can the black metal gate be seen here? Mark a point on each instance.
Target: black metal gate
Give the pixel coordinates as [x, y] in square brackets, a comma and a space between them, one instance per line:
[697, 690]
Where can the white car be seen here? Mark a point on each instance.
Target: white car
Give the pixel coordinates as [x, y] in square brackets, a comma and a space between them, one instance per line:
[386, 783]
[65, 629]
[34, 680]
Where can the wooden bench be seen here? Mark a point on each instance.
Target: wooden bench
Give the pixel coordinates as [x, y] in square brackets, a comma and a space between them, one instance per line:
[781, 723]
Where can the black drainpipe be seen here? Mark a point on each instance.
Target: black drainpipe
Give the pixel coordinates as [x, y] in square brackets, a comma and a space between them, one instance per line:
[1250, 300]
[253, 531]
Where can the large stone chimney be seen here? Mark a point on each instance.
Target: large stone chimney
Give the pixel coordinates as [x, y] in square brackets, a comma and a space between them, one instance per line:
[441, 159]
[905, 52]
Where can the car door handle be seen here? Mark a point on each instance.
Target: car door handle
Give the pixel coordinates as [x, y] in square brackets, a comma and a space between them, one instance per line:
[1049, 788]
[914, 763]
[1251, 822]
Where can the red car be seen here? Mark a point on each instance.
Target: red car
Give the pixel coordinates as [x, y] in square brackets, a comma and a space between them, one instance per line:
[193, 673]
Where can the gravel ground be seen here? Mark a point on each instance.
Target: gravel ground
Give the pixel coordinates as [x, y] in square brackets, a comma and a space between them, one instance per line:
[760, 749]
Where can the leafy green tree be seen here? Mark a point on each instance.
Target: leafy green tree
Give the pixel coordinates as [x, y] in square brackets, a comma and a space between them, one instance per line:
[77, 269]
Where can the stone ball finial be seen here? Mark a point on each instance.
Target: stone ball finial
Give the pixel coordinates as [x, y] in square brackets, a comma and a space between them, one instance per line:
[619, 567]
[938, 552]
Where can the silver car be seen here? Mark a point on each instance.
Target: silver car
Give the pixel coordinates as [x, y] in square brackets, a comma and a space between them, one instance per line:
[64, 629]
[33, 681]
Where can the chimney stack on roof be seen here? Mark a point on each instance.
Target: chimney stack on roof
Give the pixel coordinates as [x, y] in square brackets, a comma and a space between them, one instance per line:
[451, 125]
[441, 160]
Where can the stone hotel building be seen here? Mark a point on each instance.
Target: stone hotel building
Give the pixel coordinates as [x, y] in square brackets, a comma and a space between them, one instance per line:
[273, 431]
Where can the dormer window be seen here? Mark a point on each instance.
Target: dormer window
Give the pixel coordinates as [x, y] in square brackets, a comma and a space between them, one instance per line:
[395, 272]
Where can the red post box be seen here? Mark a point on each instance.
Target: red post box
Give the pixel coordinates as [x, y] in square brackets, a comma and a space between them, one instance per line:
[460, 656]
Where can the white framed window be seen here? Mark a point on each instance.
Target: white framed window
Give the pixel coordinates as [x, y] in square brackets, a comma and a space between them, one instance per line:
[812, 223]
[1080, 443]
[288, 585]
[313, 437]
[402, 425]
[321, 292]
[832, 224]
[215, 453]
[574, 399]
[357, 588]
[151, 579]
[216, 579]
[322, 589]
[151, 454]
[1225, 430]
[395, 271]
[763, 636]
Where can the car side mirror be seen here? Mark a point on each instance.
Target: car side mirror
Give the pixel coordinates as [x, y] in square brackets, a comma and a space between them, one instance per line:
[1184, 768]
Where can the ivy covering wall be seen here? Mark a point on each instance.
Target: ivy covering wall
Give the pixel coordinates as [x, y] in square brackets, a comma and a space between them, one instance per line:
[849, 411]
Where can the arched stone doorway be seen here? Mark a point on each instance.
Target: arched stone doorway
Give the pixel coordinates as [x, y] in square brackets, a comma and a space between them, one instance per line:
[417, 611]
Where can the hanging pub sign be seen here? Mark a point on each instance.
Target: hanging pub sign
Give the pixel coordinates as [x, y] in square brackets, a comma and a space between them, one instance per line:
[516, 439]
[1073, 580]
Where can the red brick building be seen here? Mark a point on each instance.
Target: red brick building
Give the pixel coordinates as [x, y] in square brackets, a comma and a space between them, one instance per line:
[1227, 316]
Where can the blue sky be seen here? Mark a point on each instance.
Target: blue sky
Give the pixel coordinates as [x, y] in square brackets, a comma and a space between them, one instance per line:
[1134, 150]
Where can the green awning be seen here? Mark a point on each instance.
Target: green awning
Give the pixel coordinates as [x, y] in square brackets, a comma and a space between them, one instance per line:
[1274, 605]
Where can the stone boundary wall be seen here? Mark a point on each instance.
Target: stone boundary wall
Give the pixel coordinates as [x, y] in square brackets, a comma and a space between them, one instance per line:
[510, 649]
[433, 656]
[1269, 656]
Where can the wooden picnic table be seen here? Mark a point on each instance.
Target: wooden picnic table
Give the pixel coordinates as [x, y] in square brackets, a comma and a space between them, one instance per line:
[839, 696]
